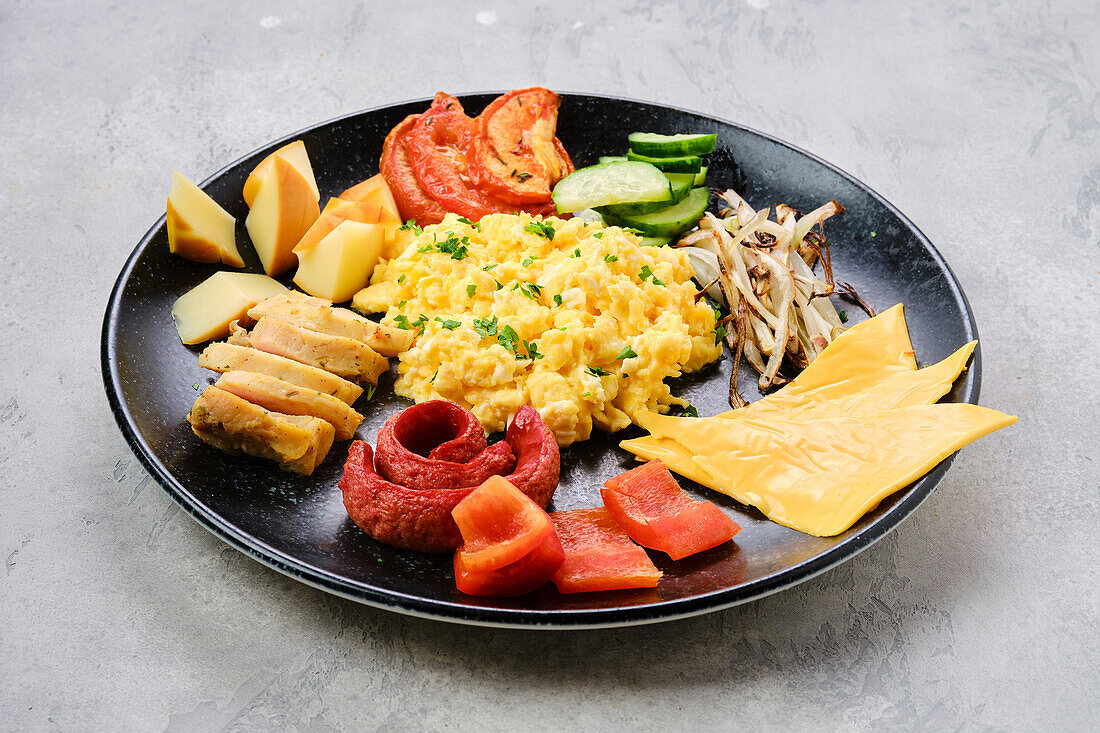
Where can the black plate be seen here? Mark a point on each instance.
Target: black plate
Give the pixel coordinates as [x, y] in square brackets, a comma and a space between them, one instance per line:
[298, 525]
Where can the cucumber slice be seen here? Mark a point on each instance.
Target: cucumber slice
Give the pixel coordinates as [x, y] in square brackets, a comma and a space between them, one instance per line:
[701, 176]
[671, 146]
[605, 184]
[654, 241]
[612, 158]
[672, 220]
[681, 187]
[685, 164]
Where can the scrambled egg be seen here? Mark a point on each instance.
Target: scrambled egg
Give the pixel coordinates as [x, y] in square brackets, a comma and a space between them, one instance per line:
[582, 323]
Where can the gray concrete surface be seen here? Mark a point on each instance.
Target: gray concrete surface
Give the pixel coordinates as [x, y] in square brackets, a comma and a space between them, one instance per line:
[980, 121]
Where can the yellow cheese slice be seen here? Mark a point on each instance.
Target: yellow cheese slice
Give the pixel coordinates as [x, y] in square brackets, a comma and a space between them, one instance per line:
[819, 477]
[899, 388]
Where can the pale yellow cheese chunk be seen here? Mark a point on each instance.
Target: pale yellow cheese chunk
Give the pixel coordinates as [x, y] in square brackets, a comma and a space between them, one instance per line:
[198, 228]
[205, 311]
[293, 153]
[282, 211]
[342, 262]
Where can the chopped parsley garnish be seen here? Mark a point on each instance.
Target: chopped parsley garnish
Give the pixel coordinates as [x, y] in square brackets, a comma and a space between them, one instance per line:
[542, 228]
[576, 253]
[843, 316]
[532, 350]
[626, 353]
[596, 235]
[528, 260]
[532, 291]
[411, 226]
[485, 327]
[403, 322]
[508, 338]
[467, 222]
[489, 267]
[873, 234]
[719, 334]
[449, 324]
[194, 386]
[454, 247]
[557, 300]
[432, 380]
[586, 394]
[646, 272]
[499, 286]
[523, 177]
[471, 290]
[425, 248]
[610, 258]
[371, 389]
[690, 411]
[402, 278]
[402, 304]
[597, 372]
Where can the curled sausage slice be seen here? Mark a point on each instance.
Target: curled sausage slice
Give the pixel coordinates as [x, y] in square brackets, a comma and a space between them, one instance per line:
[418, 516]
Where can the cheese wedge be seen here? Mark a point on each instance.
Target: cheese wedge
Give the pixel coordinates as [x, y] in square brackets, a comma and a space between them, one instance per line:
[282, 211]
[205, 311]
[198, 228]
[293, 153]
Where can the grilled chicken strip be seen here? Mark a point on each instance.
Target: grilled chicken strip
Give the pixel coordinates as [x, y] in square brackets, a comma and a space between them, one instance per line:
[298, 442]
[225, 357]
[320, 315]
[345, 357]
[290, 399]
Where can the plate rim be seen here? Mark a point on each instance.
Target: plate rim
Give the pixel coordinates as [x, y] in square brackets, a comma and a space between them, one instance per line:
[562, 619]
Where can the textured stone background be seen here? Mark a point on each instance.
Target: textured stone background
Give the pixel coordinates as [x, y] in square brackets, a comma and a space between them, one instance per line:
[980, 121]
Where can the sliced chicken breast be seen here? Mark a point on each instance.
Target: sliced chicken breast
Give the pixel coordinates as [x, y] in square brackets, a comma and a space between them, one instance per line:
[290, 399]
[342, 356]
[298, 442]
[225, 357]
[320, 315]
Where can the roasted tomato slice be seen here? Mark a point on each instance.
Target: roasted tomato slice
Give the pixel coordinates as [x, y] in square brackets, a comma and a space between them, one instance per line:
[412, 201]
[499, 525]
[439, 149]
[523, 576]
[516, 155]
[656, 513]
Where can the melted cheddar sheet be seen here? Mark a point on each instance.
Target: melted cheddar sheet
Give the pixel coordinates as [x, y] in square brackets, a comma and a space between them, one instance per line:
[855, 426]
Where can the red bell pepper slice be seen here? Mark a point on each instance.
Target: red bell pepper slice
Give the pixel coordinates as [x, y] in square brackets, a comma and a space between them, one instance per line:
[649, 504]
[499, 525]
[523, 576]
[599, 555]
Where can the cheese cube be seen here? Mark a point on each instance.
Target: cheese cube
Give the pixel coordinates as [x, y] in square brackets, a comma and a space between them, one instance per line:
[342, 262]
[374, 191]
[205, 311]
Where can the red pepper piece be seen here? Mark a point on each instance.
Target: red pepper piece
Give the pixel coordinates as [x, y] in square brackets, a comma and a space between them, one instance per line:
[523, 576]
[439, 428]
[649, 504]
[499, 525]
[599, 555]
